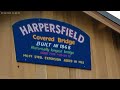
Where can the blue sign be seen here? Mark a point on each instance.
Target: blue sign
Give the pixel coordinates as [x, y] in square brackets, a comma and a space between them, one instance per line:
[51, 42]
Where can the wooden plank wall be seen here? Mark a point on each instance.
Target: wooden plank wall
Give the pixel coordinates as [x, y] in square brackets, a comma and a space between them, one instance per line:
[105, 49]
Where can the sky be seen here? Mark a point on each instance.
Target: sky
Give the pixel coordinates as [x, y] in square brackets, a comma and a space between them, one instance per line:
[115, 13]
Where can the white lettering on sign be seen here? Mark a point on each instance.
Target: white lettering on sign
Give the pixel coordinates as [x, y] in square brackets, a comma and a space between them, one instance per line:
[48, 27]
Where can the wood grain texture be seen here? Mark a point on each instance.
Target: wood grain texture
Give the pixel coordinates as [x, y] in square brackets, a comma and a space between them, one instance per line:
[111, 59]
[17, 68]
[104, 43]
[5, 49]
[100, 53]
[116, 43]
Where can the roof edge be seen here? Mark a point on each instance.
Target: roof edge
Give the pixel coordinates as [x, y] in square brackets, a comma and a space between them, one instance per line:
[99, 17]
[110, 17]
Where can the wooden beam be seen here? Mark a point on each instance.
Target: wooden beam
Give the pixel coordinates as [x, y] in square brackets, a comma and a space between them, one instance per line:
[103, 20]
